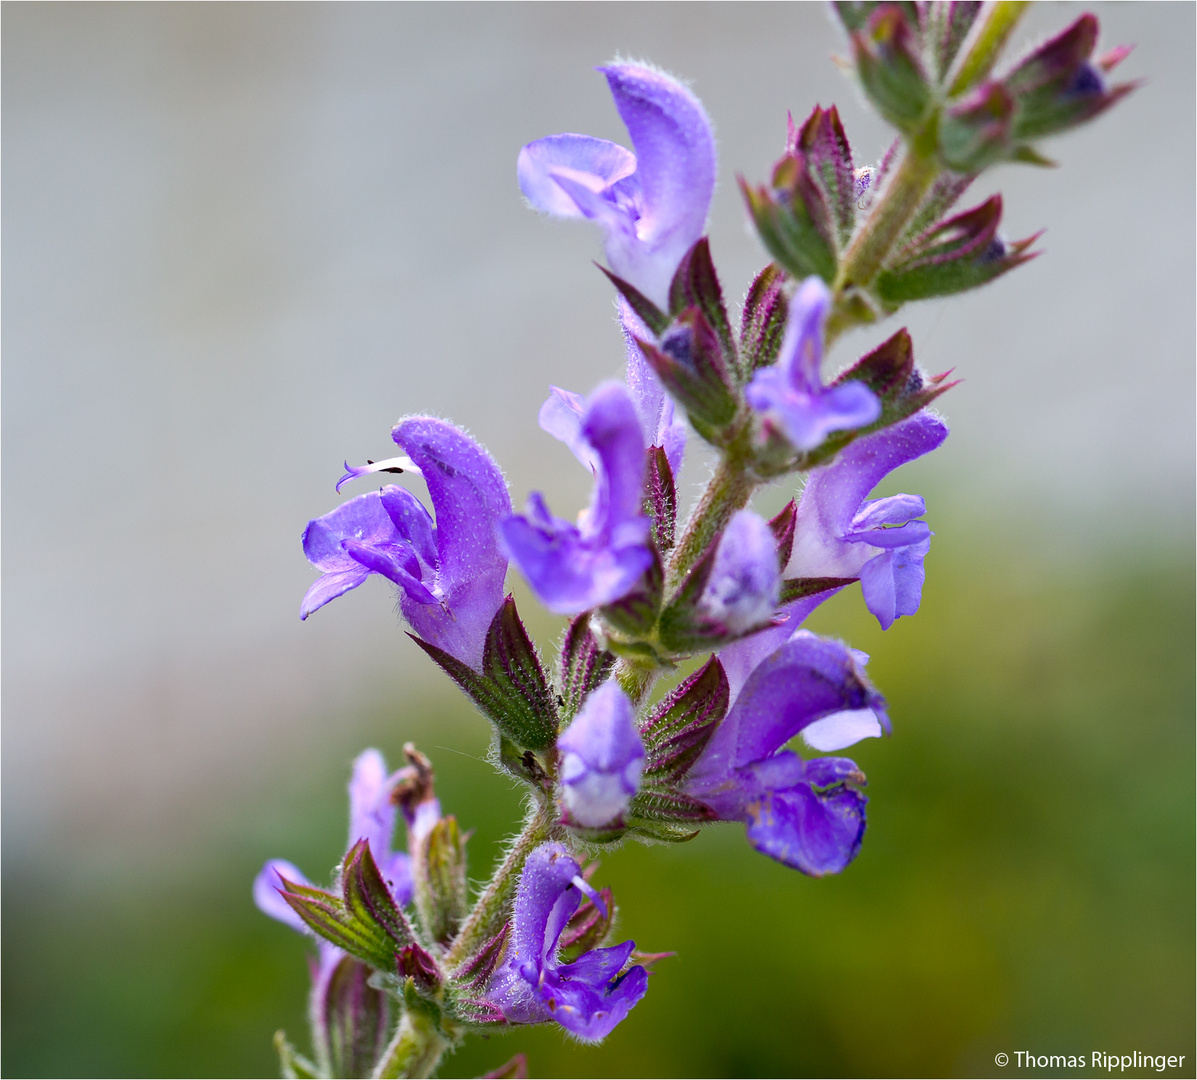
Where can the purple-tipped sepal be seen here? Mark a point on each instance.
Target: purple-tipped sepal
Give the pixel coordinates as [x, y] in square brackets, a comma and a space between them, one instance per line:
[887, 55]
[1061, 84]
[808, 814]
[587, 997]
[602, 760]
[576, 567]
[351, 1020]
[961, 253]
[652, 205]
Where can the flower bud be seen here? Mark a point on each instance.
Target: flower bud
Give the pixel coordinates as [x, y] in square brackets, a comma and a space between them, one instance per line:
[602, 759]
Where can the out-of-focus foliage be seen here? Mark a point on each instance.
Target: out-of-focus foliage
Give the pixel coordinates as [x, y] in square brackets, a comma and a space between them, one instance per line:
[1026, 881]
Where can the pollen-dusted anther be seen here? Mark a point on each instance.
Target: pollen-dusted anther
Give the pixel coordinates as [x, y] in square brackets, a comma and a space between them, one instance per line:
[395, 465]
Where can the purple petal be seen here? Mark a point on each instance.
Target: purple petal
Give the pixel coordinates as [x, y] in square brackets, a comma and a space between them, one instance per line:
[266, 892]
[470, 499]
[892, 582]
[569, 573]
[329, 587]
[412, 521]
[611, 426]
[801, 352]
[658, 419]
[602, 758]
[561, 416]
[362, 518]
[808, 416]
[834, 493]
[841, 730]
[894, 510]
[745, 580]
[806, 679]
[740, 659]
[608, 162]
[675, 153]
[895, 536]
[371, 812]
[592, 1013]
[395, 562]
[817, 833]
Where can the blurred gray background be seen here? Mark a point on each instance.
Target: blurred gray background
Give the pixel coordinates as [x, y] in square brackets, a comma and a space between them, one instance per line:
[240, 240]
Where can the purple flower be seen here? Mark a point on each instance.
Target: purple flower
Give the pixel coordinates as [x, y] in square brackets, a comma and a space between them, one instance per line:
[573, 568]
[372, 818]
[588, 997]
[450, 573]
[651, 204]
[602, 758]
[791, 392]
[561, 414]
[742, 591]
[839, 534]
[807, 814]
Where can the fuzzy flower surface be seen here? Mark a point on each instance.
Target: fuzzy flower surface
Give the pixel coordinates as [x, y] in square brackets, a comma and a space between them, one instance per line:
[840, 533]
[449, 570]
[575, 567]
[808, 814]
[791, 392]
[652, 204]
[588, 997]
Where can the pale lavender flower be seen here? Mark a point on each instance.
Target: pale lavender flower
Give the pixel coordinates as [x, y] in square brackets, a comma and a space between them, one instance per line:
[840, 534]
[372, 818]
[745, 582]
[807, 814]
[573, 568]
[450, 572]
[602, 758]
[652, 204]
[588, 997]
[791, 392]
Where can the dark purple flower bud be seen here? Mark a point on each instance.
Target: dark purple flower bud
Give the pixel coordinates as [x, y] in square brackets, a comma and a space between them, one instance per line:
[652, 204]
[588, 997]
[602, 758]
[806, 814]
[450, 573]
[838, 534]
[792, 394]
[745, 582]
[573, 568]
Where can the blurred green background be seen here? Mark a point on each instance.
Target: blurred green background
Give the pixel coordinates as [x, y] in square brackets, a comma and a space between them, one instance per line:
[239, 240]
[1026, 882]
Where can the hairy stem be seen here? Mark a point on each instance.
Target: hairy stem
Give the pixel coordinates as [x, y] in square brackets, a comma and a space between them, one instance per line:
[492, 908]
[985, 43]
[893, 211]
[728, 491]
[415, 1050]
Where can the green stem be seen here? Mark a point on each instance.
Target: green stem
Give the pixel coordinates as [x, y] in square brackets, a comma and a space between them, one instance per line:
[728, 491]
[996, 26]
[493, 907]
[415, 1050]
[893, 211]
